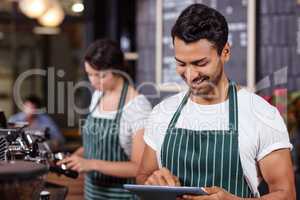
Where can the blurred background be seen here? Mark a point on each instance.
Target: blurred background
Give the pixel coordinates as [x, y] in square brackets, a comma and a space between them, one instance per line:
[41, 48]
[42, 43]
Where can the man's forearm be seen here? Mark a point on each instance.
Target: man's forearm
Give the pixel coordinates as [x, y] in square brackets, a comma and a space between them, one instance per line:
[278, 195]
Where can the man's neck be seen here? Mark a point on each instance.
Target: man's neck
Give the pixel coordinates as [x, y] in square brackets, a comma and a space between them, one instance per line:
[217, 95]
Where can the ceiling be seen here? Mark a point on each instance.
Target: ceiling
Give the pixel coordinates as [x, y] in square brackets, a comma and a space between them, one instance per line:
[6, 6]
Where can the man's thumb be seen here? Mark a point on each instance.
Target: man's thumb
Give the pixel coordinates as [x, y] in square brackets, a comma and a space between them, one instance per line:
[211, 190]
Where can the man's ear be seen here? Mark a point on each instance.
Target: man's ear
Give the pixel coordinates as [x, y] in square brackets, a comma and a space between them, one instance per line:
[226, 52]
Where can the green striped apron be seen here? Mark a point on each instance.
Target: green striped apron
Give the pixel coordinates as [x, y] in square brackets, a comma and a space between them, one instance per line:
[101, 142]
[208, 157]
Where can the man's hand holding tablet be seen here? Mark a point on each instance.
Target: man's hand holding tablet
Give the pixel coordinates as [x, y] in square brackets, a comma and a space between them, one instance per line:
[163, 177]
[163, 185]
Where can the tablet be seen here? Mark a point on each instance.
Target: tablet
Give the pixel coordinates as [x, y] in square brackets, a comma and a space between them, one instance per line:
[150, 192]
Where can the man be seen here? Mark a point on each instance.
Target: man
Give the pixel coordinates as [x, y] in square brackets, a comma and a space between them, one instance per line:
[38, 121]
[217, 135]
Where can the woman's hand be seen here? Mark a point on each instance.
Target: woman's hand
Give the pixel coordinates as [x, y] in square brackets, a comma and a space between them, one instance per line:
[77, 163]
[214, 193]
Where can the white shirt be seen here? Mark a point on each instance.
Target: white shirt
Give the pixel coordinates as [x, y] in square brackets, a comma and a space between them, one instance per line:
[134, 118]
[261, 128]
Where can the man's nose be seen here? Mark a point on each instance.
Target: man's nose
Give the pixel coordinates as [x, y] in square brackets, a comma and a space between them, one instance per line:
[191, 73]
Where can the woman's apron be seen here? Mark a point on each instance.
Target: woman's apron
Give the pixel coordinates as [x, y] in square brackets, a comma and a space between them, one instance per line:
[208, 157]
[101, 142]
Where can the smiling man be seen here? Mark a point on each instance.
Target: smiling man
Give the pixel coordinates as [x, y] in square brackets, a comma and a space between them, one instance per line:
[216, 135]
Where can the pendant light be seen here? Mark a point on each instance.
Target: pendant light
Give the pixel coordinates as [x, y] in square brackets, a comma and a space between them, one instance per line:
[53, 16]
[33, 8]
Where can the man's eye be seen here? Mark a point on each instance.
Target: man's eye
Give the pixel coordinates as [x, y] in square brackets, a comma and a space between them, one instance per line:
[180, 64]
[202, 64]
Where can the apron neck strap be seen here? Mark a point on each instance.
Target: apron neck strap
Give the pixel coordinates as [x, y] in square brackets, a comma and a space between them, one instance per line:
[233, 108]
[122, 101]
[178, 111]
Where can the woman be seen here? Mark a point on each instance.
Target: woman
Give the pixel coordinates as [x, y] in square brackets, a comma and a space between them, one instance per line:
[113, 131]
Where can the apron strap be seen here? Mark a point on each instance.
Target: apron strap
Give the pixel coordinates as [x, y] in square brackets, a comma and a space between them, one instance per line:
[122, 101]
[233, 107]
[178, 111]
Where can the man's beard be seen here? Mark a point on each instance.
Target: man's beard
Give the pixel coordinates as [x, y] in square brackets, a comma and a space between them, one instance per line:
[208, 86]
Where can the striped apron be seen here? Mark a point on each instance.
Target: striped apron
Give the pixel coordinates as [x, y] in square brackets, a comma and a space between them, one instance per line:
[208, 157]
[101, 142]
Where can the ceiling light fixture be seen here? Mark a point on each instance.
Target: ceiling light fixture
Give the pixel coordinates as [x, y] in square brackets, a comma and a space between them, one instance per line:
[33, 8]
[78, 7]
[53, 16]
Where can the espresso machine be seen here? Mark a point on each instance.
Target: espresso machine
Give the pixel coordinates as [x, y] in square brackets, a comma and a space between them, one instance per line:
[25, 160]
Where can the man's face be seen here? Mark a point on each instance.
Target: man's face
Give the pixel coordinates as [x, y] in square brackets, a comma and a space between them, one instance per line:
[29, 109]
[199, 64]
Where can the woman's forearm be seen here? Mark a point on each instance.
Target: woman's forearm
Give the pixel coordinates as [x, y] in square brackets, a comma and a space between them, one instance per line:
[118, 169]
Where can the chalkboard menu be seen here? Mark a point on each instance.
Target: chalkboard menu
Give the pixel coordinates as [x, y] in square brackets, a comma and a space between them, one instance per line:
[235, 12]
[279, 45]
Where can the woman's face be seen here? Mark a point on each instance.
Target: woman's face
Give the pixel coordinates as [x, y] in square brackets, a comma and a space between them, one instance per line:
[100, 79]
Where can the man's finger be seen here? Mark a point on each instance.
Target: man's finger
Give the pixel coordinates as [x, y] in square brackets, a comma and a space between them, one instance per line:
[169, 178]
[191, 197]
[150, 181]
[159, 178]
[165, 171]
[199, 197]
[212, 190]
[177, 181]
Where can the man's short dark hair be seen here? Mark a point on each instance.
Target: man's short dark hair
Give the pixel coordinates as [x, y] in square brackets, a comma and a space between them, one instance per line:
[35, 100]
[201, 22]
[105, 54]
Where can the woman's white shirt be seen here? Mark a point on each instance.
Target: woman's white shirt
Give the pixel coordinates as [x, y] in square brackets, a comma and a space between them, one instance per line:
[134, 117]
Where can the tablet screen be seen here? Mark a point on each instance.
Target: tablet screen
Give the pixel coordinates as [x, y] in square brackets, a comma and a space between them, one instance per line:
[150, 192]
